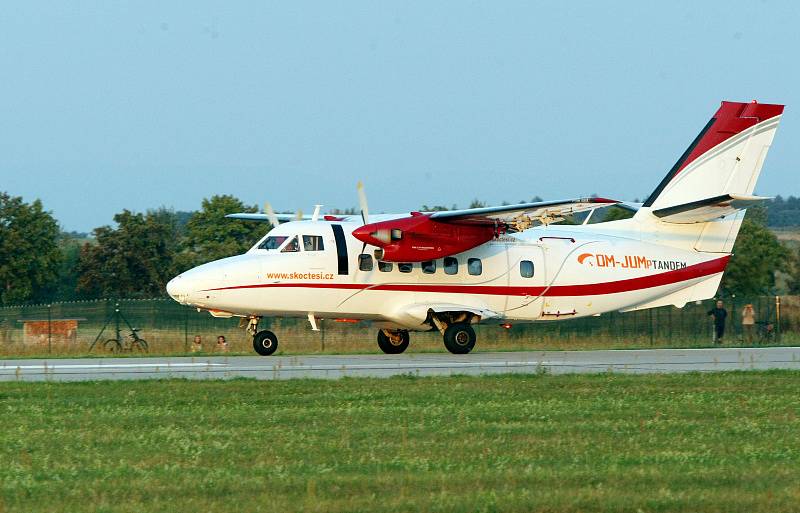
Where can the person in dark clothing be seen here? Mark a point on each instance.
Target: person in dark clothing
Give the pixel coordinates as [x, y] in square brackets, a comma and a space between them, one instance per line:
[720, 314]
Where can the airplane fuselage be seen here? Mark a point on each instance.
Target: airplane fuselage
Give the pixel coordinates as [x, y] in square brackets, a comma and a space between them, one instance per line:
[546, 273]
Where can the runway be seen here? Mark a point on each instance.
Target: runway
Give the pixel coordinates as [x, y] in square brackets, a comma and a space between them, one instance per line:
[417, 364]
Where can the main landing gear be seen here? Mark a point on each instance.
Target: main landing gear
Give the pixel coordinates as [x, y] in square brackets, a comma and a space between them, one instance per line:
[393, 341]
[456, 330]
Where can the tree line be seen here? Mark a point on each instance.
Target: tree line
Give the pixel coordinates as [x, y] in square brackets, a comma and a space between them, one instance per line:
[40, 263]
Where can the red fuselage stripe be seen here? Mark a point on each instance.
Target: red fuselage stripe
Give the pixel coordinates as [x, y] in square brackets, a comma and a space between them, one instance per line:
[590, 289]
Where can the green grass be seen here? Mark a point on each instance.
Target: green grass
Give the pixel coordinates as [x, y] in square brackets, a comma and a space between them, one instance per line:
[696, 442]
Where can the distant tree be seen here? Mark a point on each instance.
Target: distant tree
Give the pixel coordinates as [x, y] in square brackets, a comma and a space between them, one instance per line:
[476, 203]
[211, 236]
[757, 255]
[783, 212]
[29, 255]
[69, 246]
[135, 259]
[435, 208]
[793, 281]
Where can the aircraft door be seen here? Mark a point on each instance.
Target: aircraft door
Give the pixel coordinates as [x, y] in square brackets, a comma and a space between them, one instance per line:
[527, 279]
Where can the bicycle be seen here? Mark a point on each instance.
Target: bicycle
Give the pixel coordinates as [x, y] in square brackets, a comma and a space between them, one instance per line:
[131, 343]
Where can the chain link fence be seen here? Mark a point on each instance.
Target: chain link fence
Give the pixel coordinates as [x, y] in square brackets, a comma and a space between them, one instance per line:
[71, 328]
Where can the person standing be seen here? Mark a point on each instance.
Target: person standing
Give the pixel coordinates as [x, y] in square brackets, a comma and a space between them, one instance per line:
[748, 322]
[197, 344]
[720, 314]
[222, 344]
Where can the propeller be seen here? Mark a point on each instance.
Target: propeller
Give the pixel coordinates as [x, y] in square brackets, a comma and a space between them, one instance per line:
[362, 201]
[273, 219]
[299, 215]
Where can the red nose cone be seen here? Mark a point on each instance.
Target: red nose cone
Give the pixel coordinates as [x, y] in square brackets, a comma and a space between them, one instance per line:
[362, 233]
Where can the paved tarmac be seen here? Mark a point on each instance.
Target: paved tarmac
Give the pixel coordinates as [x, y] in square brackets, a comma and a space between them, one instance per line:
[418, 364]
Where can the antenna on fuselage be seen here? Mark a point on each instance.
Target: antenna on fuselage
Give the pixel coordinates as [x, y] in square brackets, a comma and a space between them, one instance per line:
[315, 215]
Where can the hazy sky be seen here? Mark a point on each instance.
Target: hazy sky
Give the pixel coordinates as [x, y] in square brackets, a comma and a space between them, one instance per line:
[112, 105]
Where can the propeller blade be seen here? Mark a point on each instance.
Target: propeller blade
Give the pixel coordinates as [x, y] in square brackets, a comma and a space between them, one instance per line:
[362, 201]
[273, 219]
[299, 215]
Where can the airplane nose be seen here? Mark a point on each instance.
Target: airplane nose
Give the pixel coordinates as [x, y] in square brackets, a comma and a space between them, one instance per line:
[176, 288]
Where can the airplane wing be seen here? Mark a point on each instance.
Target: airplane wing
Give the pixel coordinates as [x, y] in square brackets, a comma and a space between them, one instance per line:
[522, 216]
[264, 218]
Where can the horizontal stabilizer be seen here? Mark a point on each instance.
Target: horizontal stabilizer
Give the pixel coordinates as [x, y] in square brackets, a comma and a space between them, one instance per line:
[708, 209]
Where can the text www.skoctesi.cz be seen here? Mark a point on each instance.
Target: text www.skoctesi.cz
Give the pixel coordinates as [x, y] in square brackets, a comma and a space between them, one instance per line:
[300, 276]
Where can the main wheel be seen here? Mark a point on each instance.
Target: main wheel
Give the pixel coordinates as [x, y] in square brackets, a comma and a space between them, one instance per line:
[459, 338]
[393, 344]
[112, 345]
[265, 343]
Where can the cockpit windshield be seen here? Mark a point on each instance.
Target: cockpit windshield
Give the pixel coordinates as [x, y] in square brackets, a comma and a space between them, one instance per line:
[273, 242]
[292, 246]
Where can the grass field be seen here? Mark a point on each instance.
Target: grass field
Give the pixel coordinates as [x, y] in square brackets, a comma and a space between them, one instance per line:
[695, 442]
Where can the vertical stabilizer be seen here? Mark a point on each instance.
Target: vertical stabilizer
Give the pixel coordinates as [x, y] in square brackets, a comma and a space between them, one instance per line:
[724, 159]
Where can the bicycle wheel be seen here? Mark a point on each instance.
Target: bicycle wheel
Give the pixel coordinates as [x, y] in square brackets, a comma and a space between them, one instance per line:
[112, 345]
[139, 346]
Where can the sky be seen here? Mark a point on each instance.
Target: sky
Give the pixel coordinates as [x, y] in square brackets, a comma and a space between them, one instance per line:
[137, 105]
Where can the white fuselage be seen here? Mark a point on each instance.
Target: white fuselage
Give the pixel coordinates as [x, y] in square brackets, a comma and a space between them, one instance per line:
[545, 273]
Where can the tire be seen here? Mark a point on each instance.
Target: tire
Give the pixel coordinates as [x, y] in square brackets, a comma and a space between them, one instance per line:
[112, 345]
[265, 343]
[139, 345]
[389, 347]
[459, 338]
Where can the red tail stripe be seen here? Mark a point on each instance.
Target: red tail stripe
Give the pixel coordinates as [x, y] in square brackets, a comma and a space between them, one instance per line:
[731, 119]
[612, 287]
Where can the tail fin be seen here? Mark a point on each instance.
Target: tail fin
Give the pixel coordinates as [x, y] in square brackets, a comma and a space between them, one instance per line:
[725, 158]
[721, 165]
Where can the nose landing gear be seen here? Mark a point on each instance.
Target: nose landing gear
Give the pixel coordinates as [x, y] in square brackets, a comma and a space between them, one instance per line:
[265, 342]
[393, 341]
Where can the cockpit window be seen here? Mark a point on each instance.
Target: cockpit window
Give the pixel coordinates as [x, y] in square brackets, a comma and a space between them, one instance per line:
[273, 242]
[312, 243]
[292, 246]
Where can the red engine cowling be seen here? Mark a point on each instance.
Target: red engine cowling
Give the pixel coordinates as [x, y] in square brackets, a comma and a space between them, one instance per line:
[418, 238]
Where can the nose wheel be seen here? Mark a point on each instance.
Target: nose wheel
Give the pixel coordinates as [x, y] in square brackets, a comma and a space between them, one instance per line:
[393, 342]
[265, 342]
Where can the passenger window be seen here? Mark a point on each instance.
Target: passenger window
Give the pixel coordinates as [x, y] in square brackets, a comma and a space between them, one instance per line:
[450, 265]
[273, 242]
[384, 267]
[365, 262]
[429, 267]
[313, 243]
[292, 246]
[474, 266]
[405, 267]
[396, 234]
[526, 269]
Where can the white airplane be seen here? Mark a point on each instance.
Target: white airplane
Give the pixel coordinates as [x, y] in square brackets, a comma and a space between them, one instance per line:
[446, 271]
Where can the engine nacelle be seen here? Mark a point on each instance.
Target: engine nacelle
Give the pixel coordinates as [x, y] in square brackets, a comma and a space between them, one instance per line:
[418, 238]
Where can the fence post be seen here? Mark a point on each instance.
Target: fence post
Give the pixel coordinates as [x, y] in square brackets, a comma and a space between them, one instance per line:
[777, 319]
[49, 328]
[651, 325]
[186, 330]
